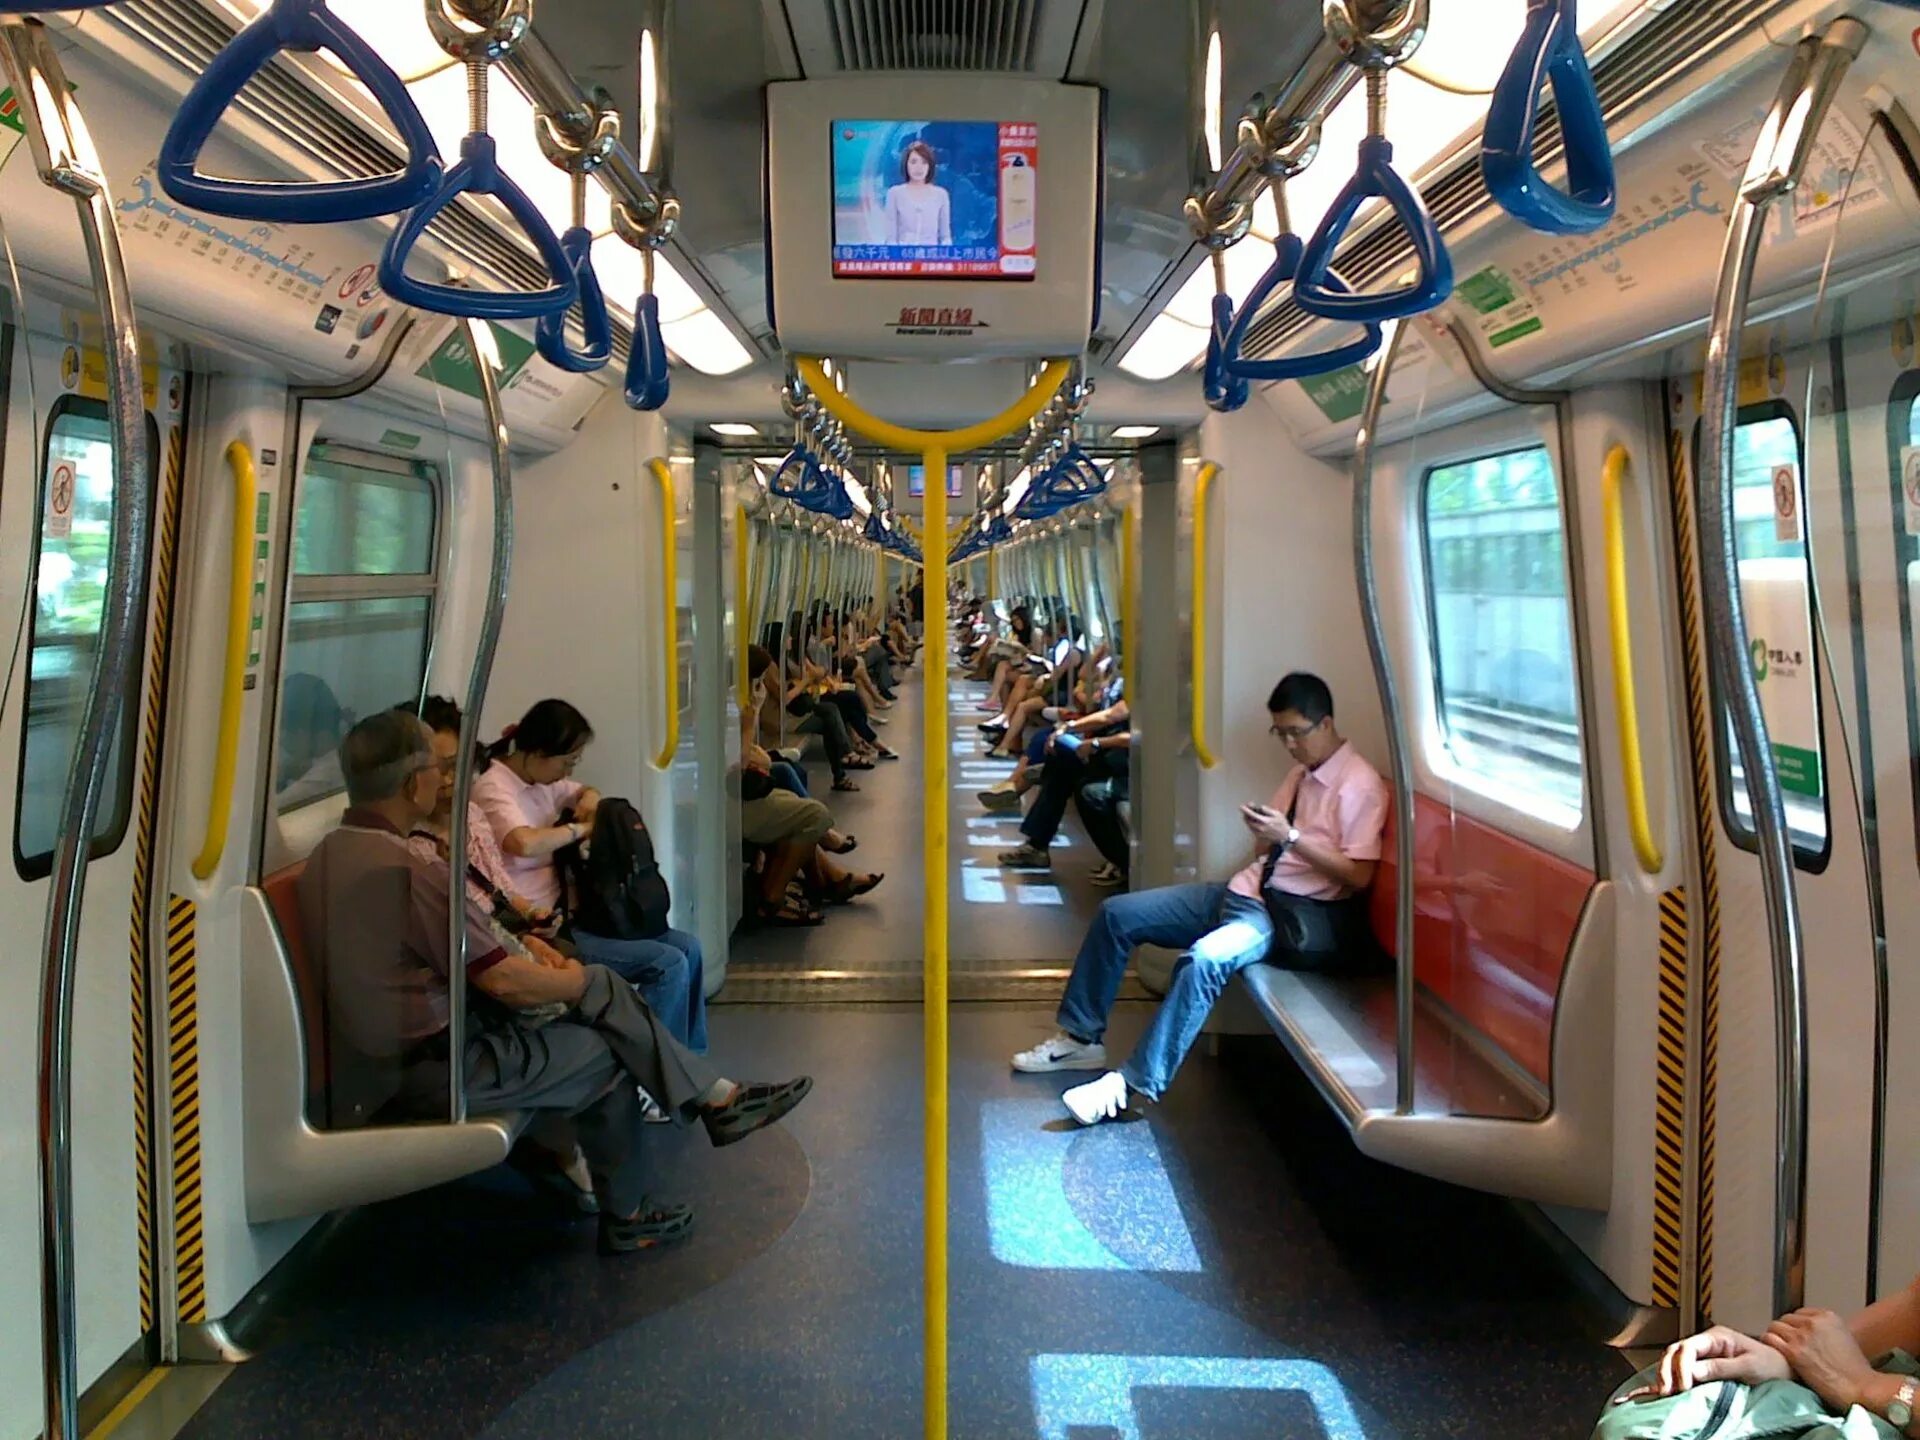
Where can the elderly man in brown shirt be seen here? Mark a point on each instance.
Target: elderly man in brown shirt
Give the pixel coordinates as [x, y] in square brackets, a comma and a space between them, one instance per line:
[375, 915]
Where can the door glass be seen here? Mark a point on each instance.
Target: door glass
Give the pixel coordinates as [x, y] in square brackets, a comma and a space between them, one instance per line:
[75, 511]
[1776, 585]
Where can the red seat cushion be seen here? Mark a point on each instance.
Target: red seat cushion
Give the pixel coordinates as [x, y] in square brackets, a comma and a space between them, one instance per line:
[282, 889]
[1383, 899]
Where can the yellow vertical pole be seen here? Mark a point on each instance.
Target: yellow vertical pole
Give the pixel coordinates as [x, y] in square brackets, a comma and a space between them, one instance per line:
[935, 447]
[934, 1010]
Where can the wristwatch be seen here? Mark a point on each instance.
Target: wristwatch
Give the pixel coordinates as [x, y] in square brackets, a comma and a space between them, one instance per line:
[1293, 839]
[1900, 1408]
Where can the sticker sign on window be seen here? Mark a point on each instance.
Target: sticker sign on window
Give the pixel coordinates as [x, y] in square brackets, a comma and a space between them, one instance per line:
[1910, 487]
[60, 487]
[1786, 504]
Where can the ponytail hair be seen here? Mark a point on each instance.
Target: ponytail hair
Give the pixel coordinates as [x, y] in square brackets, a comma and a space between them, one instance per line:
[552, 727]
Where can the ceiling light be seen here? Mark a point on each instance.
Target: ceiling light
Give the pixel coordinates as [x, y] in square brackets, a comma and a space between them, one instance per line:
[1164, 349]
[645, 157]
[1135, 432]
[1213, 101]
[732, 427]
[703, 341]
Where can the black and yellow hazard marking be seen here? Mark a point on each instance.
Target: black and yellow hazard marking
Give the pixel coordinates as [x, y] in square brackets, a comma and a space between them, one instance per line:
[1670, 1100]
[159, 632]
[183, 1055]
[1707, 832]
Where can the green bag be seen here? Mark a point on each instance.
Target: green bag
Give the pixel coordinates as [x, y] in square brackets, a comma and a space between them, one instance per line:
[1728, 1410]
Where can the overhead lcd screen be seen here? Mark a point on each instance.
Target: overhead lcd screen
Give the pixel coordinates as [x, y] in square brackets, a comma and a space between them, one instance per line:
[952, 199]
[917, 481]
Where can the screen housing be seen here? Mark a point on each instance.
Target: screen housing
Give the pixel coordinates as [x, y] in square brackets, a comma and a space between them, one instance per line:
[927, 317]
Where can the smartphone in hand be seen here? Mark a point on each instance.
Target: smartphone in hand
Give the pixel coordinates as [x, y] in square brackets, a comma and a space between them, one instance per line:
[1068, 741]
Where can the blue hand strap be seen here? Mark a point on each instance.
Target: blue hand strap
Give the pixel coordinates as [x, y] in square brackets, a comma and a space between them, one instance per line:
[792, 489]
[305, 26]
[478, 173]
[648, 380]
[1225, 391]
[1316, 292]
[550, 333]
[1287, 251]
[1549, 52]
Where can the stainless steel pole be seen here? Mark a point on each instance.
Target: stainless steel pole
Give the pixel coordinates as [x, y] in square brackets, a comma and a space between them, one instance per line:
[63, 154]
[1780, 156]
[499, 573]
[1365, 446]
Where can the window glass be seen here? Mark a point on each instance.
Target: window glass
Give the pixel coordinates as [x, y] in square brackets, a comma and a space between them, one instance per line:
[360, 609]
[1502, 626]
[1776, 594]
[362, 518]
[344, 660]
[75, 510]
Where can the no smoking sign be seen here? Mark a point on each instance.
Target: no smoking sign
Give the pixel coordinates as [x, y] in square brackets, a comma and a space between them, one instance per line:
[60, 488]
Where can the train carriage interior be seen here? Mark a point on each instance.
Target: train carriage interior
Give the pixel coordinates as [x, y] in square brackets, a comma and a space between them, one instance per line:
[1238, 677]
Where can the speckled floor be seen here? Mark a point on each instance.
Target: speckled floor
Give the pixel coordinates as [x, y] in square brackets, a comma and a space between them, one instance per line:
[1228, 1267]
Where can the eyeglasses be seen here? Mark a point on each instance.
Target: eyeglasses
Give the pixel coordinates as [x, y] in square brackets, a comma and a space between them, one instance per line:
[1293, 732]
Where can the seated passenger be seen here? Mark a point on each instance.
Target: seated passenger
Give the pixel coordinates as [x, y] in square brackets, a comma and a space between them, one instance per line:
[375, 917]
[1845, 1362]
[1317, 846]
[535, 809]
[1084, 751]
[487, 879]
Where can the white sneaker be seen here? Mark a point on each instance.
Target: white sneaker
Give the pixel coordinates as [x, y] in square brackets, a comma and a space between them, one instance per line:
[1061, 1051]
[1097, 1100]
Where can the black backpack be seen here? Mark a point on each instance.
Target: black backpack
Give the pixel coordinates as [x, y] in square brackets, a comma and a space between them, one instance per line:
[619, 892]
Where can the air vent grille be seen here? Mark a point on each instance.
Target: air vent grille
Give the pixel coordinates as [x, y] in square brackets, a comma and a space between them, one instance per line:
[936, 34]
[1651, 60]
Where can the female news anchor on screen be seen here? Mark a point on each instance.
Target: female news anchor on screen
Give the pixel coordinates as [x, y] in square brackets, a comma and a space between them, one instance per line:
[918, 211]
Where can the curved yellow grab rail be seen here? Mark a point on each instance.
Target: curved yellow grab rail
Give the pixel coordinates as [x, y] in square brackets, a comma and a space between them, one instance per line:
[1626, 709]
[1201, 491]
[934, 446]
[742, 602]
[233, 688]
[669, 607]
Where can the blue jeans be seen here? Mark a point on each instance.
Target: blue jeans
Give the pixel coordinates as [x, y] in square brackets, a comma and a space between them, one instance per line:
[1220, 933]
[668, 971]
[789, 777]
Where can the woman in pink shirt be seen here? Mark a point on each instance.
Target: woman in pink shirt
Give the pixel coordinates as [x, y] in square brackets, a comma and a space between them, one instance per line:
[527, 794]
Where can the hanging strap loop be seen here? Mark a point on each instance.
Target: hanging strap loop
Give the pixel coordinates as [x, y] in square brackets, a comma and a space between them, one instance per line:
[579, 151]
[479, 37]
[1375, 35]
[1550, 53]
[649, 380]
[304, 27]
[1287, 253]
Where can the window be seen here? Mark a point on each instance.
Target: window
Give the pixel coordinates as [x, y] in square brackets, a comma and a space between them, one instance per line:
[359, 610]
[70, 589]
[1776, 584]
[1502, 627]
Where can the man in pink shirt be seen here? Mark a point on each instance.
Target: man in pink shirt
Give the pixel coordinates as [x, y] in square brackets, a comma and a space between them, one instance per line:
[1316, 847]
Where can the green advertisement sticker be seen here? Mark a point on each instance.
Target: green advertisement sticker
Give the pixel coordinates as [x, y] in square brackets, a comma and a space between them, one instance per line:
[452, 364]
[1340, 395]
[1488, 291]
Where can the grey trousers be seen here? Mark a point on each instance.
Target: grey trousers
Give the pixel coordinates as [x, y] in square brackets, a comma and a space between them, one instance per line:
[584, 1066]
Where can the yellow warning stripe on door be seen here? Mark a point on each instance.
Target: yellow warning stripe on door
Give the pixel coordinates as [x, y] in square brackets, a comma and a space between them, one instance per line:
[1670, 1100]
[183, 1053]
[1706, 830]
[166, 547]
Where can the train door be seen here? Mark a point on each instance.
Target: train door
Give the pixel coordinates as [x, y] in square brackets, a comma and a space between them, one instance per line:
[56, 508]
[1789, 507]
[1870, 385]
